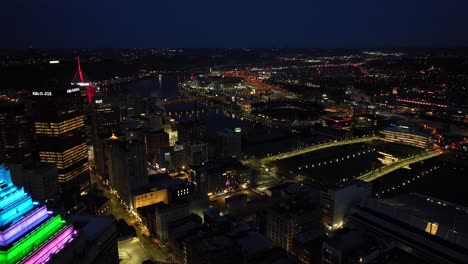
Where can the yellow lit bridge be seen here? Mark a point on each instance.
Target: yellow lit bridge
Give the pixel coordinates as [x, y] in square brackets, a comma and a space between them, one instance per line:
[375, 174]
[306, 150]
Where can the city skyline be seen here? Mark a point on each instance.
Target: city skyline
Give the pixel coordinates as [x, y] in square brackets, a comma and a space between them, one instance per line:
[246, 132]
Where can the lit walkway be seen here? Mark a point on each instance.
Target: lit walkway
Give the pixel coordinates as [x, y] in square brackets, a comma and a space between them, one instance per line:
[375, 174]
[313, 148]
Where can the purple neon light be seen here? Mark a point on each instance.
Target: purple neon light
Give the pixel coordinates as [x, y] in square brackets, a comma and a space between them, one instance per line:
[51, 247]
[23, 226]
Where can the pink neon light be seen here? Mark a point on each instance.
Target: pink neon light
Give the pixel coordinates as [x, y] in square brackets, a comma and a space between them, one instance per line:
[420, 102]
[79, 69]
[22, 226]
[78, 72]
[346, 119]
[53, 246]
[90, 93]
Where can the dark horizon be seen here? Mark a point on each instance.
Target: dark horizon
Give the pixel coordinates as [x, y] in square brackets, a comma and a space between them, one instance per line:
[262, 24]
[292, 49]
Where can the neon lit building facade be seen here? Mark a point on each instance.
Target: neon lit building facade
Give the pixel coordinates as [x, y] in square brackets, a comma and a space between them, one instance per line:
[29, 232]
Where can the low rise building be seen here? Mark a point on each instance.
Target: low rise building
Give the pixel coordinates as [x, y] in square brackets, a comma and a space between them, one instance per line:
[405, 135]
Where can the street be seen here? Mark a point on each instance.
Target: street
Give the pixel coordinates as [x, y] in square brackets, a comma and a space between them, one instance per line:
[147, 243]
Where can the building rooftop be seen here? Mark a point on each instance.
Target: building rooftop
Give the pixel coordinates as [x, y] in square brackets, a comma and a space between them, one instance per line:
[253, 243]
[357, 243]
[161, 206]
[183, 229]
[236, 198]
[226, 132]
[95, 199]
[91, 226]
[216, 243]
[146, 209]
[221, 164]
[309, 236]
[397, 256]
[162, 181]
[296, 206]
[347, 184]
[446, 220]
[408, 130]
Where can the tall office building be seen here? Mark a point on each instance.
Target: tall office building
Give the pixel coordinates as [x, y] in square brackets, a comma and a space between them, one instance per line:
[169, 126]
[155, 140]
[337, 201]
[99, 161]
[105, 114]
[127, 167]
[192, 131]
[59, 134]
[15, 132]
[105, 119]
[195, 153]
[153, 121]
[289, 218]
[229, 143]
[178, 156]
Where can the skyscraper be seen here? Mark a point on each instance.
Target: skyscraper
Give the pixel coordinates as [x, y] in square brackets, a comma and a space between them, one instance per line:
[15, 132]
[105, 118]
[337, 201]
[29, 232]
[229, 143]
[195, 153]
[105, 114]
[289, 218]
[59, 134]
[127, 167]
[192, 131]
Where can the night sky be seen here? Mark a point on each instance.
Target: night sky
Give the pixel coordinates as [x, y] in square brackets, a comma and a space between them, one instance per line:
[224, 23]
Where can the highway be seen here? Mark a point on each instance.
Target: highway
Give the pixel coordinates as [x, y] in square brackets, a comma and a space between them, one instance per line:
[375, 174]
[312, 148]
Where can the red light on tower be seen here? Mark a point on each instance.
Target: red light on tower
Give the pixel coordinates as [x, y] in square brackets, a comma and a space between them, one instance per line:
[90, 93]
[78, 79]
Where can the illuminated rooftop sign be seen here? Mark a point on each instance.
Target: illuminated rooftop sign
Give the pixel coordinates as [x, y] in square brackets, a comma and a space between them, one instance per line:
[35, 93]
[73, 90]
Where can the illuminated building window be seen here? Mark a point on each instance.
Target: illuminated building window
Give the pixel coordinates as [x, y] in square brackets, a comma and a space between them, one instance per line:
[431, 228]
